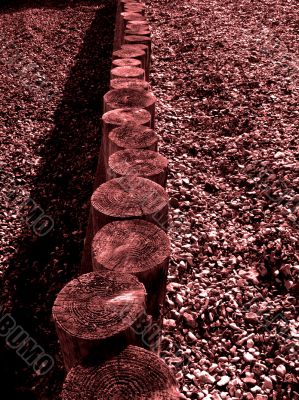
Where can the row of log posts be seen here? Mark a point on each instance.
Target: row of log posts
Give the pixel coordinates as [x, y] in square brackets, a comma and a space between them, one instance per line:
[108, 319]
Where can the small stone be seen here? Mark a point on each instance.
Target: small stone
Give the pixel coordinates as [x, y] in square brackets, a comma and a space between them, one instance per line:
[169, 323]
[223, 381]
[191, 337]
[189, 320]
[251, 317]
[249, 380]
[179, 299]
[248, 357]
[261, 397]
[281, 370]
[204, 377]
[267, 384]
[256, 389]
[250, 343]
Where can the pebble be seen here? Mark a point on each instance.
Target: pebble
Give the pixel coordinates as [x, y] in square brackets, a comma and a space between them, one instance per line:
[256, 389]
[281, 370]
[204, 377]
[248, 357]
[191, 337]
[223, 381]
[267, 384]
[189, 320]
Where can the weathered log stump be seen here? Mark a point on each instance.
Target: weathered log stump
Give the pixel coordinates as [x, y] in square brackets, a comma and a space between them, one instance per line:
[131, 136]
[132, 16]
[126, 98]
[127, 72]
[130, 53]
[146, 163]
[140, 248]
[142, 30]
[133, 374]
[129, 84]
[126, 62]
[113, 119]
[135, 8]
[143, 47]
[95, 314]
[129, 197]
[144, 40]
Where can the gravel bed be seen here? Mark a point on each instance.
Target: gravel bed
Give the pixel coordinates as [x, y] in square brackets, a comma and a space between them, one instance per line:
[55, 65]
[225, 74]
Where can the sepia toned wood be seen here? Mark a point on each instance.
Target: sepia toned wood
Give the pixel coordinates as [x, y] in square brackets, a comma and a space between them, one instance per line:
[130, 83]
[125, 98]
[144, 40]
[130, 53]
[95, 314]
[142, 30]
[133, 374]
[131, 136]
[146, 163]
[127, 72]
[113, 119]
[129, 197]
[126, 62]
[140, 248]
[143, 47]
[135, 8]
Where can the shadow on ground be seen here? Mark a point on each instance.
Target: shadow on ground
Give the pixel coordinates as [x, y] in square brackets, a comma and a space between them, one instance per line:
[42, 265]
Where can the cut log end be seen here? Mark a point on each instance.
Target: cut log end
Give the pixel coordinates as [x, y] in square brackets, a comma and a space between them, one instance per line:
[127, 72]
[121, 116]
[96, 306]
[125, 98]
[131, 246]
[126, 62]
[130, 83]
[132, 136]
[133, 374]
[129, 197]
[146, 163]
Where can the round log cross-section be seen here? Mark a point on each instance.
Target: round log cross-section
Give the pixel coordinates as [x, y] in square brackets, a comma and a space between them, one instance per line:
[126, 62]
[132, 136]
[137, 30]
[95, 314]
[143, 47]
[127, 72]
[135, 8]
[146, 163]
[130, 53]
[138, 39]
[133, 374]
[130, 83]
[125, 98]
[137, 247]
[129, 197]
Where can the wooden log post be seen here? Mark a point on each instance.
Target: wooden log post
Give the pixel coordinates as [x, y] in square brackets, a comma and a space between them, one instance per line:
[146, 163]
[127, 72]
[138, 39]
[131, 136]
[129, 197]
[125, 98]
[142, 30]
[95, 314]
[143, 47]
[130, 53]
[135, 8]
[130, 83]
[145, 40]
[113, 119]
[126, 17]
[134, 373]
[126, 62]
[140, 248]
